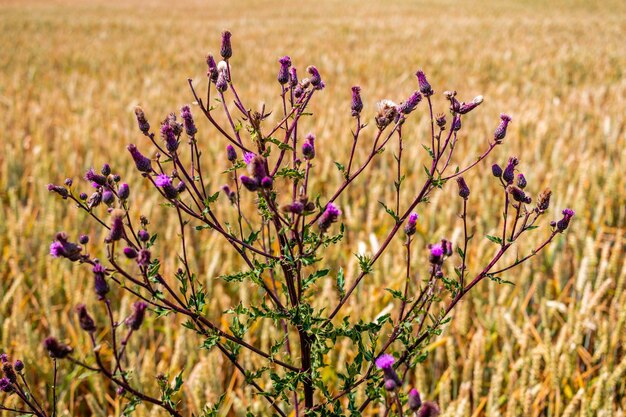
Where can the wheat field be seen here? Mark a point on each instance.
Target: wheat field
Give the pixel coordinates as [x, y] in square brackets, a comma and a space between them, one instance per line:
[554, 344]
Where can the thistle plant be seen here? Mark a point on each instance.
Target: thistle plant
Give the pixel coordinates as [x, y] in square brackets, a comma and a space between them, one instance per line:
[284, 244]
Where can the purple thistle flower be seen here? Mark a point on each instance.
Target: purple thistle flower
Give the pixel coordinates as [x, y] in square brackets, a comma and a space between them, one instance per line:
[144, 258]
[181, 187]
[226, 50]
[4, 358]
[130, 253]
[231, 153]
[436, 254]
[298, 91]
[464, 190]
[330, 216]
[106, 170]
[543, 201]
[295, 208]
[315, 79]
[117, 225]
[409, 105]
[123, 191]
[169, 136]
[83, 196]
[429, 409]
[143, 235]
[94, 200]
[517, 193]
[83, 239]
[222, 82]
[509, 172]
[212, 68]
[248, 157]
[562, 224]
[456, 123]
[267, 183]
[165, 183]
[308, 147]
[56, 349]
[283, 72]
[142, 163]
[385, 361]
[415, 401]
[100, 284]
[190, 126]
[256, 168]
[521, 181]
[496, 170]
[424, 86]
[84, 319]
[251, 184]
[500, 132]
[293, 77]
[18, 365]
[136, 318]
[390, 384]
[9, 372]
[62, 191]
[62, 248]
[411, 224]
[92, 176]
[5, 385]
[357, 103]
[142, 122]
[108, 197]
[441, 120]
[468, 107]
[68, 182]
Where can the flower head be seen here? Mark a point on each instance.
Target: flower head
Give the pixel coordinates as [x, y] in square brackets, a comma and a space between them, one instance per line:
[165, 183]
[63, 248]
[315, 79]
[500, 132]
[467, 107]
[357, 103]
[415, 401]
[226, 50]
[385, 361]
[117, 225]
[562, 224]
[94, 177]
[136, 318]
[84, 319]
[283, 72]
[424, 86]
[231, 153]
[56, 349]
[464, 190]
[411, 224]
[100, 284]
[188, 123]
[308, 147]
[5, 385]
[410, 104]
[142, 163]
[330, 216]
[429, 409]
[123, 192]
[212, 68]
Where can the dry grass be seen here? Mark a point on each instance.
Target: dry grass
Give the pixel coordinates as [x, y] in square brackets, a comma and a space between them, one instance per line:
[552, 345]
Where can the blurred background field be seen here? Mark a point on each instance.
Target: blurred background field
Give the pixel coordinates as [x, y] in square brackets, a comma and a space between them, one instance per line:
[552, 345]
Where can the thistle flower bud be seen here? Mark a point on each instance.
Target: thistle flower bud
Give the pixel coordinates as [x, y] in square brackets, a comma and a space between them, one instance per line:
[429, 409]
[84, 319]
[563, 224]
[543, 201]
[63, 248]
[142, 163]
[106, 170]
[468, 107]
[410, 104]
[293, 77]
[496, 170]
[93, 177]
[117, 225]
[188, 123]
[143, 259]
[5, 385]
[387, 112]
[211, 68]
[62, 191]
[298, 91]
[130, 253]
[56, 349]
[165, 183]
[136, 318]
[315, 79]
[9, 372]
[330, 216]
[308, 147]
[509, 172]
[108, 197]
[267, 183]
[123, 192]
[83, 239]
[68, 182]
[120, 391]
[424, 86]
[390, 385]
[464, 190]
[517, 193]
[436, 254]
[231, 153]
[4, 358]
[411, 224]
[456, 123]
[385, 362]
[500, 132]
[83, 196]
[222, 82]
[100, 284]
[283, 72]
[414, 401]
[169, 136]
[18, 366]
[295, 208]
[441, 120]
[94, 200]
[256, 168]
[143, 235]
[521, 181]
[181, 187]
[357, 103]
[226, 50]
[142, 122]
[251, 184]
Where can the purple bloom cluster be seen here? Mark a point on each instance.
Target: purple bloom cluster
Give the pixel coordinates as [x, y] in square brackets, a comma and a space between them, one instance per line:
[330, 216]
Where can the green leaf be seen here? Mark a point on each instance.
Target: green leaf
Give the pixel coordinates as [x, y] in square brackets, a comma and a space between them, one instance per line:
[495, 239]
[341, 283]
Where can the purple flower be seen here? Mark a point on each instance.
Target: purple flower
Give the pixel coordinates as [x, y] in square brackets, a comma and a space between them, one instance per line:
[500, 132]
[142, 122]
[84, 319]
[62, 248]
[62, 191]
[509, 172]
[357, 103]
[441, 120]
[190, 126]
[456, 123]
[181, 187]
[496, 170]
[467, 107]
[130, 253]
[169, 136]
[106, 170]
[330, 215]
[142, 163]
[165, 183]
[256, 168]
[308, 147]
[251, 184]
[92, 176]
[83, 196]
[436, 254]
[315, 79]
[231, 153]
[385, 361]
[18, 365]
[108, 197]
[390, 384]
[212, 68]
[222, 81]
[56, 349]
[293, 77]
[9, 372]
[429, 409]
[136, 318]
[5, 385]
[409, 105]
[143, 235]
[226, 50]
[411, 224]
[521, 181]
[415, 401]
[83, 239]
[4, 358]
[267, 183]
[143, 259]
[100, 284]
[117, 225]
[248, 157]
[283, 72]
[464, 190]
[123, 191]
[562, 224]
[424, 86]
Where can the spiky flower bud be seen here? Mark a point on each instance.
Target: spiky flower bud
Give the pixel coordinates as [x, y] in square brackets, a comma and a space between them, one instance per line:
[96, 178]
[436, 254]
[143, 259]
[563, 224]
[136, 318]
[283, 72]
[256, 168]
[496, 170]
[188, 123]
[83, 196]
[411, 103]
[468, 107]
[441, 120]
[142, 163]
[108, 197]
[165, 183]
[106, 170]
[143, 235]
[251, 184]
[357, 103]
[330, 216]
[231, 153]
[509, 172]
[308, 147]
[83, 239]
[100, 284]
[543, 201]
[9, 372]
[456, 123]
[521, 181]
[315, 79]
[169, 136]
[387, 112]
[385, 362]
[411, 224]
[424, 86]
[226, 50]
[130, 253]
[18, 366]
[415, 401]
[142, 122]
[267, 183]
[5, 385]
[517, 193]
[84, 319]
[62, 191]
[56, 349]
[429, 409]
[500, 132]
[117, 225]
[63, 248]
[222, 82]
[123, 192]
[464, 190]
